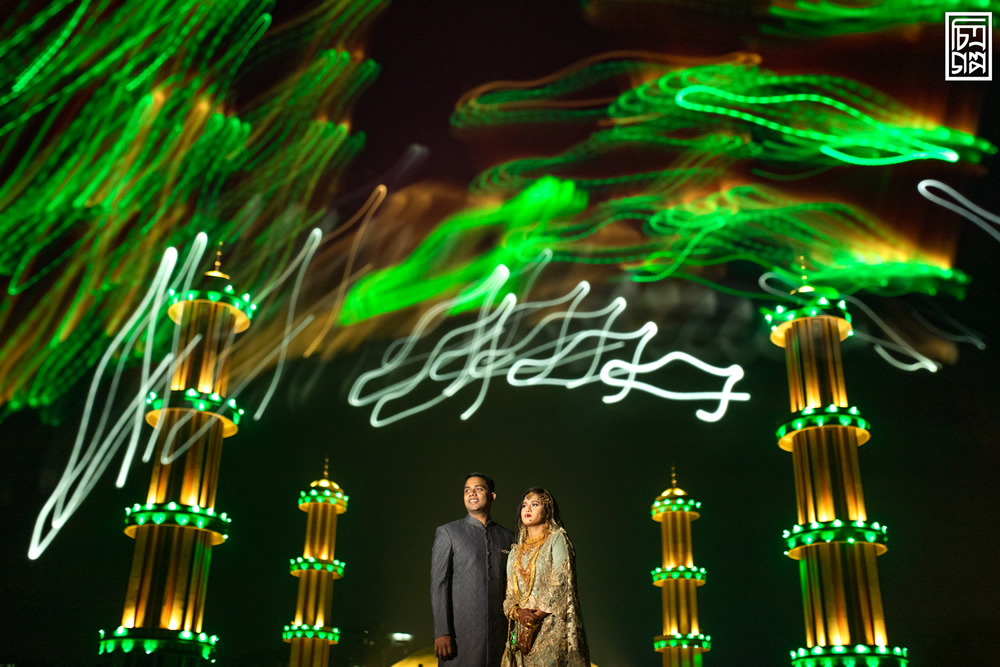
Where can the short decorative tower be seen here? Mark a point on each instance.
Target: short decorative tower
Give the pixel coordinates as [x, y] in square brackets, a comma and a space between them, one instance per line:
[311, 634]
[682, 641]
[834, 540]
[178, 525]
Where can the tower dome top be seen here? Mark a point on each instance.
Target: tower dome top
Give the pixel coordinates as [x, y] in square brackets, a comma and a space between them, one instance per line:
[674, 499]
[326, 482]
[673, 492]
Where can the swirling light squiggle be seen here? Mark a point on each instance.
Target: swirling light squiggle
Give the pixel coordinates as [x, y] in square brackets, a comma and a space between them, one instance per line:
[494, 345]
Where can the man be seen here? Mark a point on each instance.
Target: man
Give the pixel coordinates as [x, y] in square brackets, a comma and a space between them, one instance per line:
[469, 581]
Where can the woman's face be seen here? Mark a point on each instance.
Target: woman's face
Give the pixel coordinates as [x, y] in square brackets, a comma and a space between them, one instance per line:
[532, 510]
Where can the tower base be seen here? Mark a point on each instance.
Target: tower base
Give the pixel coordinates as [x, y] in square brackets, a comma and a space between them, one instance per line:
[155, 647]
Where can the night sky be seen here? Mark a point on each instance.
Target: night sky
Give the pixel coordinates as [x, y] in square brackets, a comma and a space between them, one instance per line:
[929, 470]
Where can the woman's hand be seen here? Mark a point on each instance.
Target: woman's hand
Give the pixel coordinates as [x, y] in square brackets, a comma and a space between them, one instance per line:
[531, 616]
[527, 617]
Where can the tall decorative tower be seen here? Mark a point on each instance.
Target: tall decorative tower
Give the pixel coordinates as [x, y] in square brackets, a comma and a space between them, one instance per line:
[178, 525]
[834, 541]
[682, 641]
[311, 635]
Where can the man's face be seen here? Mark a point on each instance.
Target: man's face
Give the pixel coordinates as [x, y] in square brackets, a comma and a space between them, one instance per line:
[477, 495]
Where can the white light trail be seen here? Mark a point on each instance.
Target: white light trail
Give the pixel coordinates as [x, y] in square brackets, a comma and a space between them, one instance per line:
[86, 464]
[898, 344]
[95, 446]
[495, 345]
[965, 208]
[302, 263]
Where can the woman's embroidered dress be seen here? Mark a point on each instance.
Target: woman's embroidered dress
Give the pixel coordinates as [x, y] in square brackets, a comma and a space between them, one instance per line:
[561, 641]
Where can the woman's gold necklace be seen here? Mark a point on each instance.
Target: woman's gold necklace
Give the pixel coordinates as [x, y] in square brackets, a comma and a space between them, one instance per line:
[536, 540]
[527, 572]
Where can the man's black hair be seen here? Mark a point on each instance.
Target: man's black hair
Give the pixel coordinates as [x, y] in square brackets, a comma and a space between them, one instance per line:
[489, 480]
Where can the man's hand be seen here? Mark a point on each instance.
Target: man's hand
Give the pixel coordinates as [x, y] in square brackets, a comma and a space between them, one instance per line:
[443, 647]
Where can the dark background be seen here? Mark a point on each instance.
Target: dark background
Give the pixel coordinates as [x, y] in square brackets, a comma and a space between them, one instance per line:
[929, 470]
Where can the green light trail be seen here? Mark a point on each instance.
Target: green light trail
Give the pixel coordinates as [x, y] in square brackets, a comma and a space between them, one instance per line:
[696, 123]
[126, 127]
[650, 238]
[131, 126]
[823, 18]
[443, 265]
[795, 19]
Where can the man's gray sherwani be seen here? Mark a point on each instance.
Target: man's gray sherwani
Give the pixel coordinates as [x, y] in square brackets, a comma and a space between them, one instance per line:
[468, 584]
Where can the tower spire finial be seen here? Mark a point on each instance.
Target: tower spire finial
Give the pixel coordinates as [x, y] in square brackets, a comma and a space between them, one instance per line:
[326, 468]
[217, 270]
[673, 477]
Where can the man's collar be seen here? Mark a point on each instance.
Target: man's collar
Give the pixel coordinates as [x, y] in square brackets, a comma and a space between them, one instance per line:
[476, 522]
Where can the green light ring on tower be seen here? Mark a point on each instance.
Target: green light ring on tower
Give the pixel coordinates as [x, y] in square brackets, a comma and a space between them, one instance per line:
[293, 631]
[830, 416]
[683, 504]
[844, 655]
[336, 498]
[781, 318]
[305, 563]
[226, 409]
[150, 640]
[665, 642]
[241, 307]
[178, 516]
[829, 532]
[662, 575]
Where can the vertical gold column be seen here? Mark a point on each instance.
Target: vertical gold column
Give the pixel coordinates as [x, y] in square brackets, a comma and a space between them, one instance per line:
[834, 542]
[177, 526]
[827, 472]
[166, 587]
[682, 642]
[311, 634]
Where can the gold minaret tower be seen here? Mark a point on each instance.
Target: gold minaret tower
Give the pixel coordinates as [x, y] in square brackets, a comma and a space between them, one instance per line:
[311, 635]
[682, 641]
[835, 541]
[178, 525]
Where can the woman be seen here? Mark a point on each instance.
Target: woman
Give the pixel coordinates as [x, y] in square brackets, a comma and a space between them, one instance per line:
[542, 604]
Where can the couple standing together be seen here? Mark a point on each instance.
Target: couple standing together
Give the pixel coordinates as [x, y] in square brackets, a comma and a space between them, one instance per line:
[503, 602]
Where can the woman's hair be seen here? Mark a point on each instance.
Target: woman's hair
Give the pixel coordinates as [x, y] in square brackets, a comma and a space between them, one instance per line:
[550, 508]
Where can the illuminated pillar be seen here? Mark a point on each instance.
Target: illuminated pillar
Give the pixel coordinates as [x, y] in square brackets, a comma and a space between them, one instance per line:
[834, 540]
[682, 641]
[311, 634]
[178, 525]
